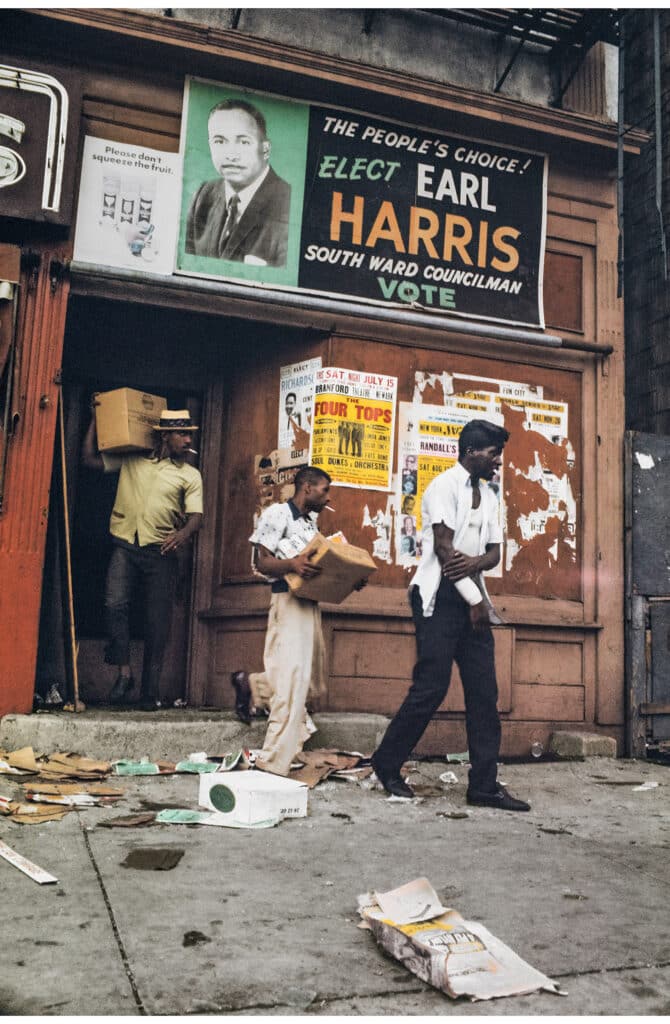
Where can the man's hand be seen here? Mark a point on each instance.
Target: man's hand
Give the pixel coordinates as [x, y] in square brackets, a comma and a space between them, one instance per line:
[458, 566]
[174, 541]
[479, 617]
[303, 567]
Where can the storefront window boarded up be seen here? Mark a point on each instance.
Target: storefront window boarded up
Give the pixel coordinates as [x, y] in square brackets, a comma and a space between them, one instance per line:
[541, 480]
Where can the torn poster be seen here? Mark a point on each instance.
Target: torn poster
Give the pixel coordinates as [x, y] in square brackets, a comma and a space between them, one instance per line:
[296, 400]
[427, 446]
[354, 426]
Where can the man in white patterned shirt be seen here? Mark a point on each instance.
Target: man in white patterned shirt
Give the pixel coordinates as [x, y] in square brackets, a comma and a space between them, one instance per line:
[452, 615]
[293, 655]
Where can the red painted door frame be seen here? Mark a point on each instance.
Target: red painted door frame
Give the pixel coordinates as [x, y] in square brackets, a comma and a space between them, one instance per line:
[23, 522]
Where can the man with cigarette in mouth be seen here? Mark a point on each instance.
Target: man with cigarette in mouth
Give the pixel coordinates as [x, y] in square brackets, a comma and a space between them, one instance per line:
[157, 510]
[294, 652]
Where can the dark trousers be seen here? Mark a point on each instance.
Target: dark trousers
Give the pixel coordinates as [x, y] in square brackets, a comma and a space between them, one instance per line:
[443, 637]
[129, 567]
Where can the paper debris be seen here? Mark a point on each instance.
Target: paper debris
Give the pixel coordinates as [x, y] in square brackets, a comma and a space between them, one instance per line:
[415, 901]
[645, 786]
[144, 767]
[37, 874]
[130, 820]
[456, 956]
[458, 758]
[197, 767]
[178, 816]
[448, 777]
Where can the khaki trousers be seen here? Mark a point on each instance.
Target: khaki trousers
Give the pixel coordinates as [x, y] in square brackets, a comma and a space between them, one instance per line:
[294, 668]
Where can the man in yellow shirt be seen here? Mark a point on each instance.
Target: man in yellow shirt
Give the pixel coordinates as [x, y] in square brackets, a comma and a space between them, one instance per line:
[157, 509]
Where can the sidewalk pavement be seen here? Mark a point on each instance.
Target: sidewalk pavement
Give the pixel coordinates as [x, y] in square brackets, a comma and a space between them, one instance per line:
[264, 922]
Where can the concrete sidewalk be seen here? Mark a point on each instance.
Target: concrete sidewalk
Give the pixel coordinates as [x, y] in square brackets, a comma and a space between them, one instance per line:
[264, 922]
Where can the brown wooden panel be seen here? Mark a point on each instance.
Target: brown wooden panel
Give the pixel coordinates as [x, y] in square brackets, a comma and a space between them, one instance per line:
[542, 703]
[379, 672]
[381, 655]
[253, 365]
[563, 291]
[234, 649]
[547, 663]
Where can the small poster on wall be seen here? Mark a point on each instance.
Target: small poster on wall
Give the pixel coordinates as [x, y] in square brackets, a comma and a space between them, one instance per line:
[353, 427]
[427, 446]
[296, 399]
[128, 208]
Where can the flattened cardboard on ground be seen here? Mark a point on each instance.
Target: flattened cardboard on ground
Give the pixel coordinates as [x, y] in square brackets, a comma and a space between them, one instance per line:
[125, 419]
[18, 762]
[456, 956]
[320, 764]
[252, 796]
[343, 567]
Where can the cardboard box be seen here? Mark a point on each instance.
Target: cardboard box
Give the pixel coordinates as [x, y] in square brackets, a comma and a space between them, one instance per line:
[124, 420]
[342, 566]
[249, 797]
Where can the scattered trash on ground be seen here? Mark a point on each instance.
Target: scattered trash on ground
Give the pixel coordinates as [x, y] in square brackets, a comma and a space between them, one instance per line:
[130, 820]
[560, 831]
[251, 797]
[453, 814]
[645, 786]
[458, 758]
[456, 956]
[448, 778]
[574, 896]
[33, 871]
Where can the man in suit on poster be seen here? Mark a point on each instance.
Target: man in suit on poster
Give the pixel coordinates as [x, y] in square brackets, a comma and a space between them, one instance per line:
[242, 216]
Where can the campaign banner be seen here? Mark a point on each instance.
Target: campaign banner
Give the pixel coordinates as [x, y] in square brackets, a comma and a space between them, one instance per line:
[353, 427]
[335, 202]
[128, 202]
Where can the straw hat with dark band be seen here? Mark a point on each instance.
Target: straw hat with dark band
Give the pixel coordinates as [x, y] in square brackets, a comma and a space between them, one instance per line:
[175, 419]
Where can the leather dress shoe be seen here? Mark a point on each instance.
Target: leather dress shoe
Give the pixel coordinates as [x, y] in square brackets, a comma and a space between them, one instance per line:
[149, 704]
[501, 799]
[121, 688]
[240, 683]
[393, 784]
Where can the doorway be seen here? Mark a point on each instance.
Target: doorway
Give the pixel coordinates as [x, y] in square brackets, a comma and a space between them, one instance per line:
[111, 345]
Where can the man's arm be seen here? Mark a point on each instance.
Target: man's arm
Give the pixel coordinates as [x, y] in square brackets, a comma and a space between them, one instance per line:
[459, 568]
[178, 538]
[90, 456]
[269, 565]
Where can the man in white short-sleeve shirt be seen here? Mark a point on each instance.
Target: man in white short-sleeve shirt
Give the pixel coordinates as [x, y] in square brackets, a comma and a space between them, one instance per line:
[293, 655]
[452, 616]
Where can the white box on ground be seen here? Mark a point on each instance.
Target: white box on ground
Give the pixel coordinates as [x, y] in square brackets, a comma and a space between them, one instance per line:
[252, 796]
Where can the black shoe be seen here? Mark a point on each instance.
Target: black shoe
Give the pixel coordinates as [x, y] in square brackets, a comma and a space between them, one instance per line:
[393, 784]
[501, 799]
[121, 689]
[149, 705]
[240, 683]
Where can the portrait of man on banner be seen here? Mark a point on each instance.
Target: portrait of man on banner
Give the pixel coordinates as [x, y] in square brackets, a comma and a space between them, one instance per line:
[242, 191]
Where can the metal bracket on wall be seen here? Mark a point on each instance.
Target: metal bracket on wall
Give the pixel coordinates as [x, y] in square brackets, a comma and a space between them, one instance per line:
[57, 271]
[31, 263]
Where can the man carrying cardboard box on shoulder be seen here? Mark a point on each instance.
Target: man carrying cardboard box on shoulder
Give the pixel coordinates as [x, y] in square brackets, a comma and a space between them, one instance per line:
[157, 510]
[294, 651]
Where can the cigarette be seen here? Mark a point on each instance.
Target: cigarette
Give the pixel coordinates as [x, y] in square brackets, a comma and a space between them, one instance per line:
[329, 508]
[192, 451]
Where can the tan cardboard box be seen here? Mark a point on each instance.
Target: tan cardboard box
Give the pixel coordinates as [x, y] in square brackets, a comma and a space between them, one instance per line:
[124, 419]
[342, 567]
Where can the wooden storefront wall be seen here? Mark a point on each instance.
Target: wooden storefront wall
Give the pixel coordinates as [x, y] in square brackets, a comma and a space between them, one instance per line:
[560, 658]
